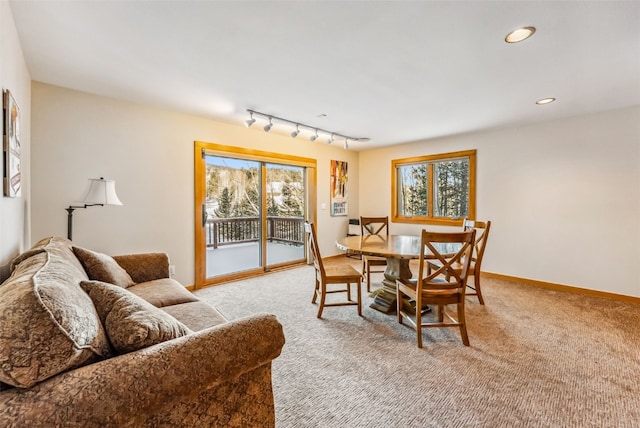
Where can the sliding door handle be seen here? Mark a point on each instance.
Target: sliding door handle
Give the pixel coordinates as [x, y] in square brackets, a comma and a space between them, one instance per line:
[204, 215]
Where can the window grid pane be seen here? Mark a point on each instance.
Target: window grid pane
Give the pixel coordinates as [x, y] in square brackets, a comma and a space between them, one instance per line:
[451, 188]
[412, 190]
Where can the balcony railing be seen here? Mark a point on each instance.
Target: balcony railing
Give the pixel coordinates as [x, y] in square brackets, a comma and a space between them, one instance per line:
[236, 230]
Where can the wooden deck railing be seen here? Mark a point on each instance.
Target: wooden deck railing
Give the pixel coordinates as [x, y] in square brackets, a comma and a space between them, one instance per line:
[228, 231]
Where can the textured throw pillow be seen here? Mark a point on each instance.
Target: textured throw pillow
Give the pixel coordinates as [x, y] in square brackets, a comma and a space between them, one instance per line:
[102, 267]
[48, 324]
[130, 322]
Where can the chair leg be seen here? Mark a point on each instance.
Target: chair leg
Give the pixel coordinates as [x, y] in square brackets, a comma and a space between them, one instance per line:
[399, 307]
[476, 281]
[463, 325]
[365, 272]
[323, 295]
[359, 285]
[440, 313]
[419, 325]
[348, 291]
[315, 291]
[368, 279]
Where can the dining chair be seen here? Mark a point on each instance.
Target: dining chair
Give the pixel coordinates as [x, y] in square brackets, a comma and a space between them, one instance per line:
[333, 274]
[440, 286]
[482, 234]
[373, 226]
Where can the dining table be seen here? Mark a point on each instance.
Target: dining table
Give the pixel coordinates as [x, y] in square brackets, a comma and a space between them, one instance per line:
[398, 250]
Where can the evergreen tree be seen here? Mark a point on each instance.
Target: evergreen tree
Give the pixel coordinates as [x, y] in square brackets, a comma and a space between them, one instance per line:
[249, 204]
[452, 183]
[416, 203]
[273, 210]
[225, 204]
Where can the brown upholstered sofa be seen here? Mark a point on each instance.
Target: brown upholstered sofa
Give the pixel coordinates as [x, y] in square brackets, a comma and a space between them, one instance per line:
[76, 349]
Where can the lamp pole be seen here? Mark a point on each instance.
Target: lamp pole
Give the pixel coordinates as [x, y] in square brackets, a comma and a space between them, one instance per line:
[70, 217]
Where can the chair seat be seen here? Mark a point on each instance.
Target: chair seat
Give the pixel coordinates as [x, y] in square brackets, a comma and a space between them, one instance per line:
[342, 273]
[375, 261]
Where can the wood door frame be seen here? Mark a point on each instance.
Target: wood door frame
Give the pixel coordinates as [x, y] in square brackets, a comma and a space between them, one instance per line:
[200, 149]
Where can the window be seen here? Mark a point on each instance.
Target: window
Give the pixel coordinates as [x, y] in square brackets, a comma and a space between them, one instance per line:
[436, 189]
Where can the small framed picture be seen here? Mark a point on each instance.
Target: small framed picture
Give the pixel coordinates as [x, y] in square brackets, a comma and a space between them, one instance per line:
[338, 188]
[11, 146]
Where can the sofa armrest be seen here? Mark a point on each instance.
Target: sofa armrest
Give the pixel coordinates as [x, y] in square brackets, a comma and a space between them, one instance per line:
[145, 266]
[130, 389]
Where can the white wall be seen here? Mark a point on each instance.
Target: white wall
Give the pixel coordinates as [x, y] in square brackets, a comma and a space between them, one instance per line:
[14, 76]
[563, 197]
[149, 153]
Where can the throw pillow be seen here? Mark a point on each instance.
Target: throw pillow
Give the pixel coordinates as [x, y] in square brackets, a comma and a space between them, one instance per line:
[48, 324]
[131, 323]
[102, 267]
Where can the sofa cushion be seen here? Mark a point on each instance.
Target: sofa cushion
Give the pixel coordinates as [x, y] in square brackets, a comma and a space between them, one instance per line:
[196, 315]
[48, 324]
[163, 292]
[102, 267]
[130, 322]
[146, 266]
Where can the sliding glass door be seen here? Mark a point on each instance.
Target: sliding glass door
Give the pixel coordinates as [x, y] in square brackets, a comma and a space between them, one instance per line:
[285, 192]
[233, 215]
[250, 211]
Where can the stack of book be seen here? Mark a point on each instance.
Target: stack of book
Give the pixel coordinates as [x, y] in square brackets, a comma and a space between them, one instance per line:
[384, 301]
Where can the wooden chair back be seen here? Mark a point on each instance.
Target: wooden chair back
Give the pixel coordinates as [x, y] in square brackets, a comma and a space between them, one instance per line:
[439, 282]
[445, 275]
[370, 226]
[374, 225]
[482, 234]
[333, 274]
[312, 242]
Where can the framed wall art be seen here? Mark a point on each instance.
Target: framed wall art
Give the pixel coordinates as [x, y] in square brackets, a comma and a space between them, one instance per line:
[338, 188]
[11, 146]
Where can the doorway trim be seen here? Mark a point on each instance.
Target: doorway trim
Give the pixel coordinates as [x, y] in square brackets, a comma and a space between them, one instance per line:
[200, 149]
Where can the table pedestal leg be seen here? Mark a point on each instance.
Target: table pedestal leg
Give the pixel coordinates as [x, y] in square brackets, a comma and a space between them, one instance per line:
[385, 297]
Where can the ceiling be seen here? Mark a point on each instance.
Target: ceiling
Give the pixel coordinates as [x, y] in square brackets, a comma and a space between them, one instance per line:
[391, 71]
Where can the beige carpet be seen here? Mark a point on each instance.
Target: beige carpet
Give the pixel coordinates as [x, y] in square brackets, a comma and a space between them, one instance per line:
[538, 358]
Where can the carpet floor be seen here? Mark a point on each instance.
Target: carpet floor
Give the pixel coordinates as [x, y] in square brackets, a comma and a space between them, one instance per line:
[538, 358]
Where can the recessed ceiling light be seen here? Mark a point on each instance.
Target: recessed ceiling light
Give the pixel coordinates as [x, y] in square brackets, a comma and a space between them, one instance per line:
[520, 34]
[545, 101]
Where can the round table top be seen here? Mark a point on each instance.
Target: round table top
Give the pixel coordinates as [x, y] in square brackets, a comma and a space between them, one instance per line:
[396, 246]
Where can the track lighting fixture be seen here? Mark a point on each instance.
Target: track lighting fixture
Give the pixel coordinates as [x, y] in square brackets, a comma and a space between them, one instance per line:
[268, 126]
[249, 121]
[331, 135]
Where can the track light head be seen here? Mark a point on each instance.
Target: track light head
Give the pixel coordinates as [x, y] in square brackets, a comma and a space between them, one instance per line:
[314, 137]
[268, 126]
[249, 121]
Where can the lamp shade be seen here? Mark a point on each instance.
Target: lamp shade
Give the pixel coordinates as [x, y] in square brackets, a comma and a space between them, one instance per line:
[102, 192]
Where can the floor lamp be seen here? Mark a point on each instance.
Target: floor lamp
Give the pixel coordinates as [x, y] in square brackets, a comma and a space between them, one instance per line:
[102, 192]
